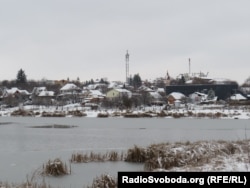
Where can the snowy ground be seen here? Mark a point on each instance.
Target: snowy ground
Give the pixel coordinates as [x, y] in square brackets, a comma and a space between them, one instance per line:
[240, 112]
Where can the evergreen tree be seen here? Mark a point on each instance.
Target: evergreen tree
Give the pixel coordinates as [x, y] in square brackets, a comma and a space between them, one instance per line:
[211, 94]
[127, 102]
[247, 82]
[21, 77]
[137, 81]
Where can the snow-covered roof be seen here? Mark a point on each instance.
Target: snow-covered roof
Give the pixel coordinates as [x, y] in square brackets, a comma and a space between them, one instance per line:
[46, 93]
[85, 91]
[69, 86]
[189, 82]
[162, 90]
[114, 85]
[177, 95]
[37, 90]
[14, 90]
[155, 94]
[24, 92]
[220, 80]
[92, 86]
[96, 93]
[41, 88]
[145, 88]
[199, 94]
[237, 97]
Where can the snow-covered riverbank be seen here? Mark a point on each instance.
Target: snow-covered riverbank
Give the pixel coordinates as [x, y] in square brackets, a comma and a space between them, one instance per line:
[204, 111]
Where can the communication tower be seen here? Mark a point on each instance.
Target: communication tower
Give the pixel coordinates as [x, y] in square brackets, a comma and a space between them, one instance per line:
[127, 67]
[189, 65]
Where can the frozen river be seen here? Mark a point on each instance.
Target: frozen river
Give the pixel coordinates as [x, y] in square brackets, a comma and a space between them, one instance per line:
[24, 148]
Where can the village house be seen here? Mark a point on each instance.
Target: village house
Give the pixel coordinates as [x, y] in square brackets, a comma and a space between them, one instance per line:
[15, 96]
[118, 93]
[151, 96]
[69, 93]
[156, 98]
[92, 96]
[70, 88]
[197, 97]
[175, 98]
[41, 96]
[237, 97]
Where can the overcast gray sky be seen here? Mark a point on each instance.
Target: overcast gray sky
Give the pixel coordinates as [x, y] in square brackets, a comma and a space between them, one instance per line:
[60, 39]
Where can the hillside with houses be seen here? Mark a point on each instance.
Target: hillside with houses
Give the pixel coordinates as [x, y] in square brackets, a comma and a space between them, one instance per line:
[97, 94]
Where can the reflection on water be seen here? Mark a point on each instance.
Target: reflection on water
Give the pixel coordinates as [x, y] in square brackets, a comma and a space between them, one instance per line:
[26, 143]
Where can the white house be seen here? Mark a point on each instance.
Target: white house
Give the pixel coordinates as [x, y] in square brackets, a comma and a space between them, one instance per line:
[117, 93]
[197, 97]
[201, 98]
[69, 93]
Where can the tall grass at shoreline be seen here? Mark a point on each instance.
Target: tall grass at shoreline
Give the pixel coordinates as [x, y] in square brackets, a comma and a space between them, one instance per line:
[187, 156]
[96, 157]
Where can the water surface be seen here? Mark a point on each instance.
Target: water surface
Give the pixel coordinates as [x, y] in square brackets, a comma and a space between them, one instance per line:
[28, 142]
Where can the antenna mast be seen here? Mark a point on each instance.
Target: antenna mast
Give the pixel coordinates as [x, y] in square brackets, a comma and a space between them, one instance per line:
[127, 67]
[189, 66]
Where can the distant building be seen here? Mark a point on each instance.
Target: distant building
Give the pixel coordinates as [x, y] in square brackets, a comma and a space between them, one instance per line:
[222, 91]
[202, 98]
[15, 96]
[238, 97]
[175, 97]
[188, 84]
[40, 95]
[69, 93]
[118, 93]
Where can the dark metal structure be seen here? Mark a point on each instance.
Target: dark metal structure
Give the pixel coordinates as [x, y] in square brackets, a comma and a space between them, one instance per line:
[222, 91]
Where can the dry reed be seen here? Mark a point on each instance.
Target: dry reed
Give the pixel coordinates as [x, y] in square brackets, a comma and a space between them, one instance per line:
[55, 168]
